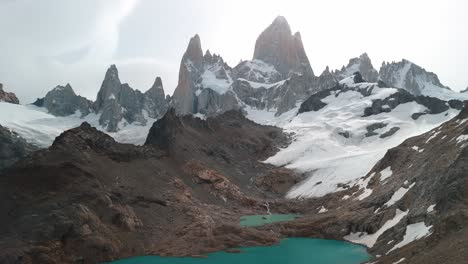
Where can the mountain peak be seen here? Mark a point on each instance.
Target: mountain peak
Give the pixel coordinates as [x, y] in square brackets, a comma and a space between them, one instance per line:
[112, 72]
[194, 51]
[277, 46]
[280, 20]
[157, 83]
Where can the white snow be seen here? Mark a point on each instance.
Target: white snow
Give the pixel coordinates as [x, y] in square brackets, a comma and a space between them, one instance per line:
[432, 136]
[257, 85]
[111, 96]
[399, 261]
[200, 115]
[416, 148]
[370, 239]
[322, 210]
[385, 173]
[260, 70]
[413, 232]
[324, 156]
[40, 128]
[402, 75]
[462, 138]
[430, 208]
[398, 195]
[209, 80]
[362, 183]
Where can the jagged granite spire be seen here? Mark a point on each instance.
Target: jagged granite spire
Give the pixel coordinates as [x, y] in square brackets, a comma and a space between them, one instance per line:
[191, 67]
[277, 46]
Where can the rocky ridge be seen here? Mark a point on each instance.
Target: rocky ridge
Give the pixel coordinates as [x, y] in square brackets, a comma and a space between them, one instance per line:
[8, 97]
[12, 148]
[62, 101]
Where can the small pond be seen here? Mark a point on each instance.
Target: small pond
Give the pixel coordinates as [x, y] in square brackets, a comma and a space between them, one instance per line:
[259, 220]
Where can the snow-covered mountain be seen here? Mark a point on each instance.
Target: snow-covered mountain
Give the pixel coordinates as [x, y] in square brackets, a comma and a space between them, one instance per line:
[341, 132]
[415, 79]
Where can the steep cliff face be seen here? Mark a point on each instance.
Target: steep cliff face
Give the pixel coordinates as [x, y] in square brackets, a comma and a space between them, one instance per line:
[7, 96]
[62, 101]
[278, 47]
[191, 68]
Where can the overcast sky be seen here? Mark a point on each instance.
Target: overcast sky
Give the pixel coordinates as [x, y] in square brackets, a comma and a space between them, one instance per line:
[50, 42]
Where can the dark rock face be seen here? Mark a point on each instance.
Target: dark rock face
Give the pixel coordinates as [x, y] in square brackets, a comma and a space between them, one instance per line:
[390, 132]
[434, 164]
[434, 105]
[409, 76]
[117, 102]
[277, 46]
[12, 148]
[314, 103]
[7, 97]
[62, 101]
[370, 129]
[360, 64]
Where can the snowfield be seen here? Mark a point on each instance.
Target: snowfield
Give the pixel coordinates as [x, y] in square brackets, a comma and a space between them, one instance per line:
[330, 145]
[40, 128]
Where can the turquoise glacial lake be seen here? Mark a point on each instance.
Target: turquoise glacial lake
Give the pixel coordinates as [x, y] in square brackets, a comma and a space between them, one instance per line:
[289, 251]
[259, 220]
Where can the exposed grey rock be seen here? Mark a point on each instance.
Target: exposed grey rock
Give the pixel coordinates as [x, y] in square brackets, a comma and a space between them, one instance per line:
[314, 102]
[277, 46]
[117, 102]
[409, 76]
[360, 64]
[464, 91]
[191, 67]
[390, 132]
[63, 101]
[12, 147]
[370, 129]
[7, 97]
[211, 103]
[155, 102]
[326, 80]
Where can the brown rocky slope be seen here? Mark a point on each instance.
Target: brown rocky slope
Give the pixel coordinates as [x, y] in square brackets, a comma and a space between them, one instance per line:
[88, 199]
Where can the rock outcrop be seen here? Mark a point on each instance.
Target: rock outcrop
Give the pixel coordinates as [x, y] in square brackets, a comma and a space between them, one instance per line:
[7, 96]
[12, 148]
[62, 101]
[360, 64]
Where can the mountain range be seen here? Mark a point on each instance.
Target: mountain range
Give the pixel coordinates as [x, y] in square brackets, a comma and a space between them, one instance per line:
[375, 157]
